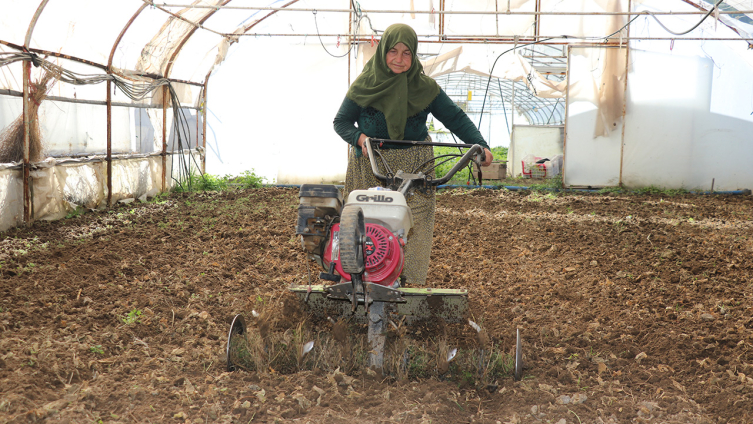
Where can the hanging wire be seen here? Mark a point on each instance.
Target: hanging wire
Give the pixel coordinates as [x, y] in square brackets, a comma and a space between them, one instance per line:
[592, 38]
[182, 135]
[136, 89]
[694, 26]
[356, 29]
[491, 71]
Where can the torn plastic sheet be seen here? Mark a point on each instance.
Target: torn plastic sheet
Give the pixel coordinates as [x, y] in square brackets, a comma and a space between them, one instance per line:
[60, 186]
[11, 198]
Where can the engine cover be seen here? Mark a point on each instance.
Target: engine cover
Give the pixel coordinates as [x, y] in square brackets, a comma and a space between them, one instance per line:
[383, 255]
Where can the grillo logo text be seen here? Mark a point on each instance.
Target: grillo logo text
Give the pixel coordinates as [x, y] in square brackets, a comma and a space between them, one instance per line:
[377, 198]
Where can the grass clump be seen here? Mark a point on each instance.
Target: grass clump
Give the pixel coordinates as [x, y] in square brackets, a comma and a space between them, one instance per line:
[209, 182]
[651, 190]
[248, 179]
[446, 163]
[75, 213]
[548, 184]
[203, 182]
[266, 347]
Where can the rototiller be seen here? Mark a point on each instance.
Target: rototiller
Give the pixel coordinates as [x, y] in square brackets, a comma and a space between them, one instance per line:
[360, 249]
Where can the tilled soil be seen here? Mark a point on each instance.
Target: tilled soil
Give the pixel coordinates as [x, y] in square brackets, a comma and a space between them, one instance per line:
[631, 308]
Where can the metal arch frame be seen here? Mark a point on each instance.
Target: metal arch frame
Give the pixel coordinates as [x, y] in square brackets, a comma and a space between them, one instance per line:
[28, 203]
[203, 94]
[537, 110]
[27, 186]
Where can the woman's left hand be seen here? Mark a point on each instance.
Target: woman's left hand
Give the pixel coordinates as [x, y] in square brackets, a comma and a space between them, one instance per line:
[489, 157]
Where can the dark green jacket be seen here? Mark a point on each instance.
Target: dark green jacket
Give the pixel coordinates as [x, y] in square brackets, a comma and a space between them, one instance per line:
[372, 123]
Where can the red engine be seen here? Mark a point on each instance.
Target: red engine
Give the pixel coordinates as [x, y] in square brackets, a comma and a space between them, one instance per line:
[382, 252]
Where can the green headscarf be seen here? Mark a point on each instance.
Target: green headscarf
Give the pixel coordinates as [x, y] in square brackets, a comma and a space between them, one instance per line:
[398, 96]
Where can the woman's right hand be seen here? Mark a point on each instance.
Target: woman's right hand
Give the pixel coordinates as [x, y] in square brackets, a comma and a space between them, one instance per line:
[362, 144]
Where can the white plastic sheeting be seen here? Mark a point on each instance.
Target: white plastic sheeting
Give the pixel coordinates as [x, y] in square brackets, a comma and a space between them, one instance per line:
[11, 198]
[593, 140]
[539, 141]
[672, 139]
[688, 115]
[88, 29]
[59, 188]
[272, 98]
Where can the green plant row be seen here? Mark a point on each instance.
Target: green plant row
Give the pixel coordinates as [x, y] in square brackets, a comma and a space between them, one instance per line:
[208, 182]
[650, 190]
[500, 154]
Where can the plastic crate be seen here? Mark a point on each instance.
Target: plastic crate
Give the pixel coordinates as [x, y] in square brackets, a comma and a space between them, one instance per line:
[534, 170]
[495, 171]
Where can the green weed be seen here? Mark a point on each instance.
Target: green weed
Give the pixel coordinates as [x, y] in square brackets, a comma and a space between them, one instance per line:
[611, 190]
[444, 164]
[160, 198]
[418, 366]
[75, 213]
[650, 190]
[208, 182]
[548, 184]
[248, 179]
[132, 317]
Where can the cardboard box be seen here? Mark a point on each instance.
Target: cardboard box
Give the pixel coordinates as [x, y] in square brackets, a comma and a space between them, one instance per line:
[495, 171]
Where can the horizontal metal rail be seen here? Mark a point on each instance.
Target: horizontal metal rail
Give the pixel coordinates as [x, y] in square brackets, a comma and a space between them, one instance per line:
[90, 63]
[15, 93]
[448, 12]
[506, 39]
[97, 157]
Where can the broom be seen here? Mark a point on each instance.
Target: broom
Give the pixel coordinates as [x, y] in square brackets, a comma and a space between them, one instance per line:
[12, 136]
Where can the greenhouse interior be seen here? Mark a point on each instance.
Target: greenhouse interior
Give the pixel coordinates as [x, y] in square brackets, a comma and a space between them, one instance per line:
[103, 101]
[190, 231]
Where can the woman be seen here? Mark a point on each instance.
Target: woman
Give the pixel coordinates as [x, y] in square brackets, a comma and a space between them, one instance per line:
[392, 99]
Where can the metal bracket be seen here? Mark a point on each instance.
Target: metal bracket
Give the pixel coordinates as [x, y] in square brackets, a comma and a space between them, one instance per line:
[377, 293]
[414, 304]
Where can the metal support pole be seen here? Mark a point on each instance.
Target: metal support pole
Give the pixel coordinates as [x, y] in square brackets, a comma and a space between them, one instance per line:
[624, 97]
[204, 128]
[350, 41]
[164, 137]
[198, 118]
[27, 143]
[537, 19]
[109, 143]
[496, 17]
[567, 116]
[28, 187]
[441, 20]
[512, 102]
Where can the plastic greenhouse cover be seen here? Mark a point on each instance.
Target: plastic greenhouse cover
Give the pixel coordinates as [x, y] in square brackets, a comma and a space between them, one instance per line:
[89, 29]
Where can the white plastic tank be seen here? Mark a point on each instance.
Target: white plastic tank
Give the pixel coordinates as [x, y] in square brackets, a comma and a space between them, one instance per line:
[383, 206]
